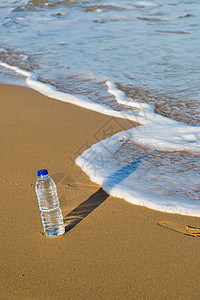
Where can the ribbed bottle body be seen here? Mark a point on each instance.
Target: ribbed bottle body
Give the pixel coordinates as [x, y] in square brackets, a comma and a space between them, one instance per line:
[53, 222]
[51, 214]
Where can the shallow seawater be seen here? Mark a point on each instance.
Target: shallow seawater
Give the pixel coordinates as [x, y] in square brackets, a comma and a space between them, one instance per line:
[167, 174]
[148, 49]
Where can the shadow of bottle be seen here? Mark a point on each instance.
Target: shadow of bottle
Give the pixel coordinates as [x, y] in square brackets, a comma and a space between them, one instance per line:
[84, 209]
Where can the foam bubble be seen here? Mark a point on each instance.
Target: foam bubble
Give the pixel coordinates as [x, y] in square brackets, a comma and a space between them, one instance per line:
[146, 3]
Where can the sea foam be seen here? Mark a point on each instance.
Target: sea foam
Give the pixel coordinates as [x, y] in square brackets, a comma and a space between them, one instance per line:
[80, 100]
[128, 179]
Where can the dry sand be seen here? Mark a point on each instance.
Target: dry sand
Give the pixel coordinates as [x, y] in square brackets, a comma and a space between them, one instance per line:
[112, 249]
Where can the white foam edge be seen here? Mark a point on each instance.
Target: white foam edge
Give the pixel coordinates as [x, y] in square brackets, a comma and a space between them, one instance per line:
[15, 69]
[167, 137]
[100, 175]
[121, 98]
[146, 4]
[79, 100]
[159, 132]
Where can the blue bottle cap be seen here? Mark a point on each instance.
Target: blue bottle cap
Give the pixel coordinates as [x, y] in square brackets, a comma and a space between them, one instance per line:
[42, 172]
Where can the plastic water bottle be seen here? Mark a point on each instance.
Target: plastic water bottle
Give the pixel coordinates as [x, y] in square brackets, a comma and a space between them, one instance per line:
[51, 214]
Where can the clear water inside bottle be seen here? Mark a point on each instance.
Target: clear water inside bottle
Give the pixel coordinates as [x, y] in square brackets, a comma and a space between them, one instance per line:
[51, 214]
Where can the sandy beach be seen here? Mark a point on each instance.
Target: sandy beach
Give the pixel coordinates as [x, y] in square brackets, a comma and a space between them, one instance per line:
[111, 249]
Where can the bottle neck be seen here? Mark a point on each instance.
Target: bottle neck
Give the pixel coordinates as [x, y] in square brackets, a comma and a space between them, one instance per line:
[43, 176]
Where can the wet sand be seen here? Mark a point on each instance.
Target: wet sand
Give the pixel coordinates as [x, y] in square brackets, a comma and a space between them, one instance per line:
[111, 249]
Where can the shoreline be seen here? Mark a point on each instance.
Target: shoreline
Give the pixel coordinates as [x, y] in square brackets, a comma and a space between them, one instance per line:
[112, 249]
